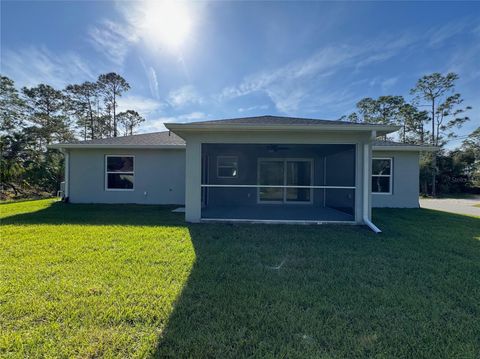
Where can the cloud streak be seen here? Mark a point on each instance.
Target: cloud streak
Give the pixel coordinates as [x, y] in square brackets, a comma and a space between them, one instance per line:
[184, 96]
[37, 64]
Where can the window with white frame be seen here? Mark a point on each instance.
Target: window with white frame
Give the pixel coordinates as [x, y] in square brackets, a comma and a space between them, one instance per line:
[119, 173]
[382, 170]
[227, 167]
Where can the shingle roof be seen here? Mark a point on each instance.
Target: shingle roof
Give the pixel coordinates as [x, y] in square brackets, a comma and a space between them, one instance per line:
[146, 139]
[168, 138]
[398, 146]
[394, 144]
[272, 120]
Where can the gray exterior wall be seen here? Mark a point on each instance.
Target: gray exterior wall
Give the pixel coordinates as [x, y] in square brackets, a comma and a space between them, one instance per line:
[159, 177]
[161, 173]
[405, 190]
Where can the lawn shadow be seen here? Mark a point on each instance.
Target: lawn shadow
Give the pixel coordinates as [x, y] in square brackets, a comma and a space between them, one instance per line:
[331, 291]
[59, 213]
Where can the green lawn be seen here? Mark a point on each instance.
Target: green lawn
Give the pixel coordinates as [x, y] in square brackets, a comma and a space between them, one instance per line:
[135, 281]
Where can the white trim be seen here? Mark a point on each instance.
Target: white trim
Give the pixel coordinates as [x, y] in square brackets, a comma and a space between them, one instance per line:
[215, 127]
[390, 184]
[418, 148]
[235, 167]
[127, 172]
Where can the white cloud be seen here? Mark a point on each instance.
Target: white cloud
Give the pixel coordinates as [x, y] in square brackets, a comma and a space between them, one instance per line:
[143, 105]
[186, 95]
[252, 108]
[296, 85]
[34, 65]
[112, 39]
[158, 124]
[438, 35]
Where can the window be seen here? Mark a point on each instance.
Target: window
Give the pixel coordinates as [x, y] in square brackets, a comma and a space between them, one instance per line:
[285, 175]
[227, 166]
[119, 173]
[382, 175]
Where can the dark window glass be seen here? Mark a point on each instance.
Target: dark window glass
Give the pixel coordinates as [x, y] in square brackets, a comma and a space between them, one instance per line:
[298, 194]
[381, 167]
[380, 184]
[120, 181]
[271, 194]
[298, 173]
[227, 172]
[227, 166]
[120, 164]
[271, 173]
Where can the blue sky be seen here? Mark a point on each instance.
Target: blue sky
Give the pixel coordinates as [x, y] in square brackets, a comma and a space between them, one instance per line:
[210, 60]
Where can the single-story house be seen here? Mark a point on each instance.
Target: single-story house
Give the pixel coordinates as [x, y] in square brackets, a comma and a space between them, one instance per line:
[255, 169]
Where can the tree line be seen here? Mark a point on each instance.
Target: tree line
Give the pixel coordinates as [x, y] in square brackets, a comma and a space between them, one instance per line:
[432, 116]
[33, 118]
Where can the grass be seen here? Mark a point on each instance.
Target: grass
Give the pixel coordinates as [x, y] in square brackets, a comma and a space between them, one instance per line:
[135, 281]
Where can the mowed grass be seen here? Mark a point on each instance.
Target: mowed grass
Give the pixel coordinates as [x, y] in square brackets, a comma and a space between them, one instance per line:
[135, 281]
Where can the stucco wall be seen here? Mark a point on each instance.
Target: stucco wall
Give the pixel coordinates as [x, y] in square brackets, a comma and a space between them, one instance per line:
[405, 189]
[159, 177]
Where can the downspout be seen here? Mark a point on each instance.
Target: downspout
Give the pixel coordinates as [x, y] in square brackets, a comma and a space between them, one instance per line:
[367, 163]
[67, 174]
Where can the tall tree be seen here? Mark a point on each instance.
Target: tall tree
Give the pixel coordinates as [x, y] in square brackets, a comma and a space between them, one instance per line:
[12, 106]
[82, 101]
[112, 86]
[472, 145]
[47, 112]
[413, 124]
[130, 120]
[384, 110]
[436, 89]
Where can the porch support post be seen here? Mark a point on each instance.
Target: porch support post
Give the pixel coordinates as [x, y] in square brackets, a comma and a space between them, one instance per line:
[367, 209]
[66, 154]
[367, 183]
[193, 182]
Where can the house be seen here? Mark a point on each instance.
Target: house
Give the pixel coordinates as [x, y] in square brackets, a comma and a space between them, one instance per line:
[261, 169]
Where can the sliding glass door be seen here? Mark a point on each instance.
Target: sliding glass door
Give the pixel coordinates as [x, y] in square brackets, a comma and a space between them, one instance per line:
[284, 180]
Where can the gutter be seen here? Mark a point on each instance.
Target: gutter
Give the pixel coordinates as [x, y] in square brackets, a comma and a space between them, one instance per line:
[406, 148]
[272, 128]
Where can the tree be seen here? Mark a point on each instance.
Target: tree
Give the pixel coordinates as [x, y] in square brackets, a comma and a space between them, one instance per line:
[130, 120]
[384, 110]
[413, 124]
[435, 89]
[47, 113]
[82, 101]
[472, 145]
[112, 86]
[12, 106]
[448, 116]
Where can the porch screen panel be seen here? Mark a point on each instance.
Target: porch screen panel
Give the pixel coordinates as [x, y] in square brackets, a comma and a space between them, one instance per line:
[293, 182]
[299, 173]
[271, 173]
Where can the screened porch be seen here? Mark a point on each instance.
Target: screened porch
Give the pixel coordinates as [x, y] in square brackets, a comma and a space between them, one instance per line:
[278, 182]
